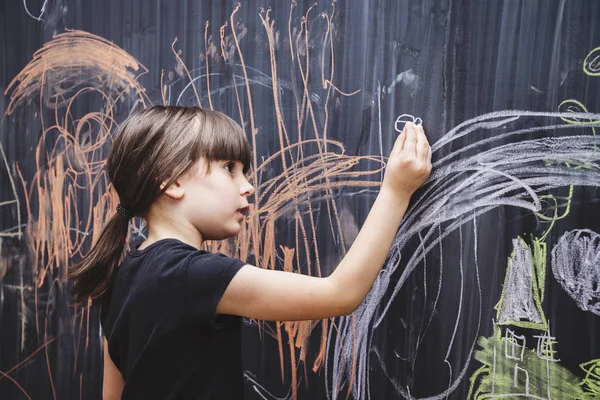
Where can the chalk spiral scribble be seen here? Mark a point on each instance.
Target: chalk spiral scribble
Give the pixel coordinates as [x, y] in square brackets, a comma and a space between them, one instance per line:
[591, 64]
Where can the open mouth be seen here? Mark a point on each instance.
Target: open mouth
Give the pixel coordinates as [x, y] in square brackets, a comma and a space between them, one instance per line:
[244, 211]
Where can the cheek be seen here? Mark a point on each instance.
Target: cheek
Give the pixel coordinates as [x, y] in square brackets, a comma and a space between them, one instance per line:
[227, 194]
[217, 204]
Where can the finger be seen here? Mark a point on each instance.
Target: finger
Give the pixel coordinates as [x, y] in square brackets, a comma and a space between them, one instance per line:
[422, 148]
[429, 157]
[399, 144]
[410, 144]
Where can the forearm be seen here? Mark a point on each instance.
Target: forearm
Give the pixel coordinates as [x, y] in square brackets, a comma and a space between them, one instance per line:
[357, 272]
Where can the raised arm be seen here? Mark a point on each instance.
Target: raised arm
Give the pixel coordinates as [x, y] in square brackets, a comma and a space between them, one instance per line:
[276, 295]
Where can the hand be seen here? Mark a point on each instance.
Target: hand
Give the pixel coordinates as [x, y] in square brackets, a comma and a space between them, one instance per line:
[409, 164]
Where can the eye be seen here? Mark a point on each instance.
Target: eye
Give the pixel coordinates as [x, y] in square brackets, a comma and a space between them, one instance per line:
[229, 167]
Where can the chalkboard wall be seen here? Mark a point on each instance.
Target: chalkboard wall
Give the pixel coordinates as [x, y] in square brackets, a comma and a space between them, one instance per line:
[492, 287]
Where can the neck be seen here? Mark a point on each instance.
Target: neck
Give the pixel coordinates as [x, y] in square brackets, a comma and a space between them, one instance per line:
[166, 226]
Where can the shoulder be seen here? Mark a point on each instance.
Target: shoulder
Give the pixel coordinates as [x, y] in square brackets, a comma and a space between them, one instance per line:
[163, 247]
[146, 274]
[212, 266]
[207, 277]
[163, 257]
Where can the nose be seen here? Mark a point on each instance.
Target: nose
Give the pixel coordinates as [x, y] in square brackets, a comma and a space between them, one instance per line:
[246, 189]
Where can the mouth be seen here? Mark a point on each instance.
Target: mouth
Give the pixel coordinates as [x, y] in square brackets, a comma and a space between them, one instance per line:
[243, 212]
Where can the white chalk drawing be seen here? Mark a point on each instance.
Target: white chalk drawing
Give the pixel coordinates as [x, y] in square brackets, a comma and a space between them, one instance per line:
[42, 11]
[14, 203]
[576, 266]
[520, 303]
[409, 79]
[506, 162]
[403, 119]
[510, 163]
[545, 348]
[514, 346]
[522, 371]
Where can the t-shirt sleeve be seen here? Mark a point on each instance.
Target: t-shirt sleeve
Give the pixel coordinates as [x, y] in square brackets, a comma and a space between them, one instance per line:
[207, 277]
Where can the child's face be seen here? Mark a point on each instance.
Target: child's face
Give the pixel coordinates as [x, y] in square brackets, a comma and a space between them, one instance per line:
[216, 202]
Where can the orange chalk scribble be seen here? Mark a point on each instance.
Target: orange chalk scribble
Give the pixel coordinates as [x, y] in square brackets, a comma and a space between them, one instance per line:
[69, 198]
[72, 59]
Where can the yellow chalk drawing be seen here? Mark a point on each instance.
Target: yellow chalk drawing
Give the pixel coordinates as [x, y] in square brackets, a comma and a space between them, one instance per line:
[575, 106]
[510, 368]
[591, 382]
[591, 64]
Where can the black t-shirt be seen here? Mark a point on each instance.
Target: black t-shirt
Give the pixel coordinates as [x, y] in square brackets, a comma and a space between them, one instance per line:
[161, 325]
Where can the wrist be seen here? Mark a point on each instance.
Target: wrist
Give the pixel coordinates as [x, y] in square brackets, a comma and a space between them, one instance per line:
[394, 198]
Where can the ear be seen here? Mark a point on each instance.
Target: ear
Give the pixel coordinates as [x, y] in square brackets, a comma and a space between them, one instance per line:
[175, 191]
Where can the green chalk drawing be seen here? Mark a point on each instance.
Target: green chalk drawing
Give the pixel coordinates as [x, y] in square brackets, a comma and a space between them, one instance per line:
[591, 64]
[510, 370]
[591, 382]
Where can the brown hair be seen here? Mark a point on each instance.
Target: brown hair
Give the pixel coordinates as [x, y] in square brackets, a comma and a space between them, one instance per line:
[154, 145]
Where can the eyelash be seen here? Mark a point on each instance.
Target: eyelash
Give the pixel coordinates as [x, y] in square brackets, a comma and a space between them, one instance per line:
[229, 166]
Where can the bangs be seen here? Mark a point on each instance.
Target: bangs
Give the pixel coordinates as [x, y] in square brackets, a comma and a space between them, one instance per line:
[224, 140]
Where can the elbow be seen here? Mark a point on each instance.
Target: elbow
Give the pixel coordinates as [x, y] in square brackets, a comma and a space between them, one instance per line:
[347, 307]
[352, 305]
[345, 302]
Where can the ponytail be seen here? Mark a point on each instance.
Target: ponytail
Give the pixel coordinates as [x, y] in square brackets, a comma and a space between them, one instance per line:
[93, 275]
[152, 146]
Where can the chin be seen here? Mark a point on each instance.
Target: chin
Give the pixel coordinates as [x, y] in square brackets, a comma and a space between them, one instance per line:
[234, 234]
[226, 235]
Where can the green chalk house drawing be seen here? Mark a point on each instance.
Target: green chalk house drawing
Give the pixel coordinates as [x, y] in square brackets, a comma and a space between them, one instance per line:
[519, 360]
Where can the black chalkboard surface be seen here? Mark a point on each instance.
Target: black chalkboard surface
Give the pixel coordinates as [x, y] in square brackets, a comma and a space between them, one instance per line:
[492, 286]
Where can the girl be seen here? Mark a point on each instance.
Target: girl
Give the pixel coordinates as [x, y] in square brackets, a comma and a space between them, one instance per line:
[170, 311]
